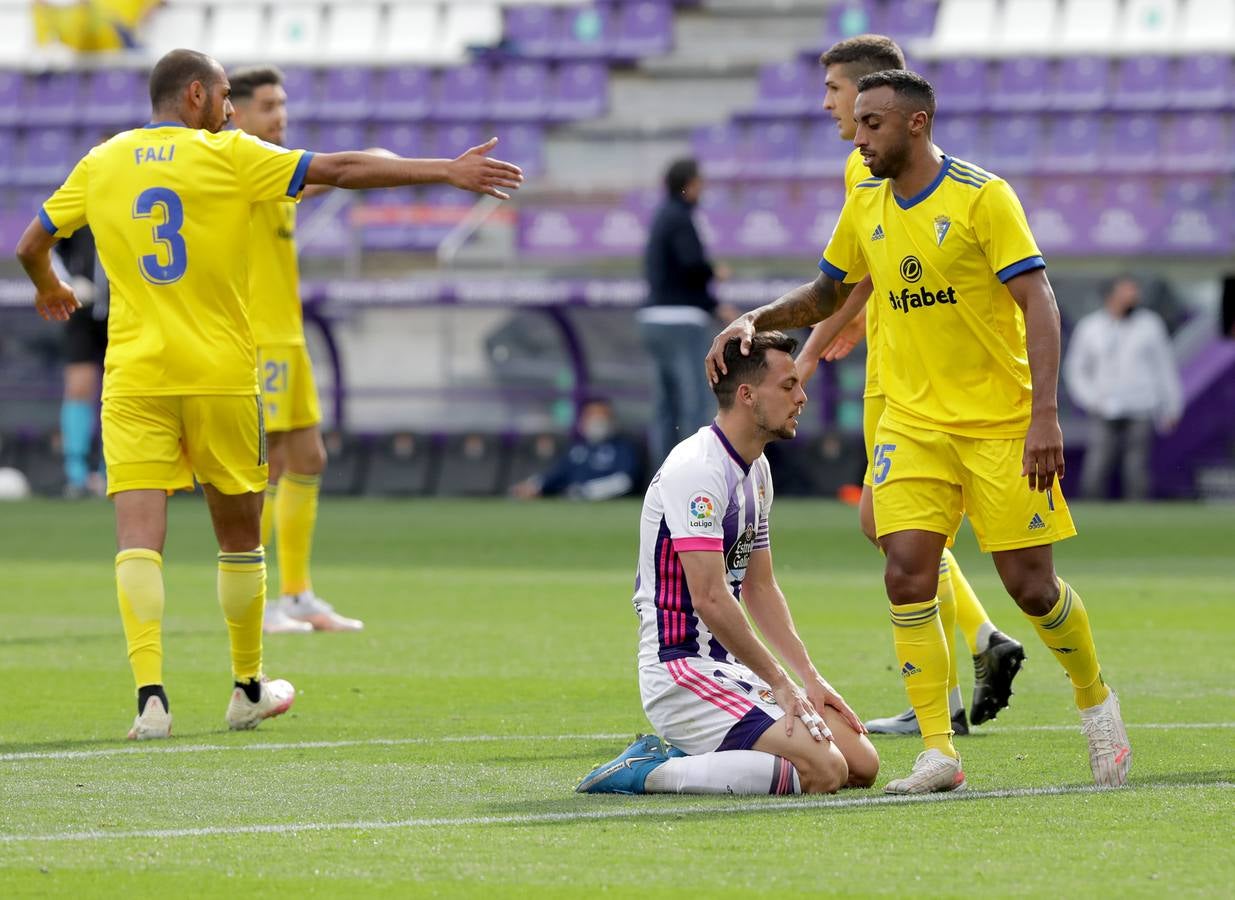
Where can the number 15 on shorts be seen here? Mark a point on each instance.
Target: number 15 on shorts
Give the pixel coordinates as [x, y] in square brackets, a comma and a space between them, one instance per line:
[882, 463]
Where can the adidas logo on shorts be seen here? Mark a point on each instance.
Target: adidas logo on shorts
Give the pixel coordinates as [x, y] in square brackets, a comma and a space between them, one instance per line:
[1036, 522]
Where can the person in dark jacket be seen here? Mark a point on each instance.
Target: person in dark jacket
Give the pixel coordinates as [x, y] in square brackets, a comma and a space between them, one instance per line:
[678, 320]
[598, 465]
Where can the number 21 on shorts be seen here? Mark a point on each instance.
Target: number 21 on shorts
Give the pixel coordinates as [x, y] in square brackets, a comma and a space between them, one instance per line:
[882, 463]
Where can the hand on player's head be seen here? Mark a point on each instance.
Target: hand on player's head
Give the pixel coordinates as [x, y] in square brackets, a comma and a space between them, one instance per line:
[742, 327]
[476, 172]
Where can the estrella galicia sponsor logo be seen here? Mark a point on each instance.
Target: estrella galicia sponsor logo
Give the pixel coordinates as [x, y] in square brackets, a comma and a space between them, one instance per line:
[738, 557]
[911, 269]
[920, 298]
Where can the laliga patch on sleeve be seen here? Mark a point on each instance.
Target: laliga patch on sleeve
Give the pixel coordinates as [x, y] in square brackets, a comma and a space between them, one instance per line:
[703, 512]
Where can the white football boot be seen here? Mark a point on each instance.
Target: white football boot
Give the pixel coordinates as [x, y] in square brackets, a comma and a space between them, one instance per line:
[1110, 753]
[309, 608]
[276, 621]
[153, 723]
[276, 698]
[933, 772]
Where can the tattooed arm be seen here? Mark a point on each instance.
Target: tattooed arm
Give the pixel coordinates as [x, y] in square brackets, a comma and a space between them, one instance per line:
[802, 306]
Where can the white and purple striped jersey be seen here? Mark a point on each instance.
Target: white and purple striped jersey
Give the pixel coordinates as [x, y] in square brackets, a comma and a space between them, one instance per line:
[705, 497]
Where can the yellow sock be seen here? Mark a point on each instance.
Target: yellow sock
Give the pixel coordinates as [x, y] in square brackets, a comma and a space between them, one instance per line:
[947, 619]
[139, 587]
[272, 488]
[295, 514]
[1065, 630]
[922, 654]
[242, 594]
[971, 615]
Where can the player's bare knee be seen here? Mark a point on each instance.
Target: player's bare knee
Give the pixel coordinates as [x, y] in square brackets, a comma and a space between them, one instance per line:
[906, 585]
[821, 770]
[863, 765]
[1036, 596]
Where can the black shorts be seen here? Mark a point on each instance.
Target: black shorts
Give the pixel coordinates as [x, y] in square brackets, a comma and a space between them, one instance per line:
[85, 337]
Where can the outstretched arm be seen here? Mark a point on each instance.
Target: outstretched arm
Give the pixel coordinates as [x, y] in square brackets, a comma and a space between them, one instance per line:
[1042, 462]
[53, 299]
[472, 171]
[802, 306]
[766, 604]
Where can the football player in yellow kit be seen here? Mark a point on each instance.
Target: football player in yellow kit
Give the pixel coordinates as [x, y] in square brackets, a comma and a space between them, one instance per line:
[968, 356]
[169, 205]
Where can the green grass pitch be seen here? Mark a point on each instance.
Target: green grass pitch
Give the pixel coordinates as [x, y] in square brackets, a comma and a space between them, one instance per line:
[434, 754]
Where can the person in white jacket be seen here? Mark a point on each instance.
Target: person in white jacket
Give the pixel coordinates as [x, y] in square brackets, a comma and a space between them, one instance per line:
[1120, 369]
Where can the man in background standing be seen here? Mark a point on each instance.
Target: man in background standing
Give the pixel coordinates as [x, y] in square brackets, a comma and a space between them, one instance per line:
[1120, 369]
[677, 324]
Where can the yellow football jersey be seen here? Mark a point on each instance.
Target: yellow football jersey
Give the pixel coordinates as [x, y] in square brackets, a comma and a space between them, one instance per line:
[856, 172]
[951, 350]
[169, 207]
[274, 275]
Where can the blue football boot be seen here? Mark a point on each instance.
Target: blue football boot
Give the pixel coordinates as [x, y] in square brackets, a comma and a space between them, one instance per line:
[628, 773]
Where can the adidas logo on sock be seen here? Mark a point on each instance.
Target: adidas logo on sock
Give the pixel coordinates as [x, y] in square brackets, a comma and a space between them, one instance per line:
[909, 669]
[1036, 522]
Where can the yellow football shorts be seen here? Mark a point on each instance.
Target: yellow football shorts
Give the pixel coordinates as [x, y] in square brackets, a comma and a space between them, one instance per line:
[872, 412]
[163, 442]
[288, 388]
[927, 480]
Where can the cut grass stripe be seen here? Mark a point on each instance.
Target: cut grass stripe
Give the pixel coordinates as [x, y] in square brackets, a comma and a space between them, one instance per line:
[626, 812]
[160, 748]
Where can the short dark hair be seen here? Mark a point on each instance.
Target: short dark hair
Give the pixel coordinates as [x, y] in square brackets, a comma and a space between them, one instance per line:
[864, 54]
[748, 369]
[907, 85]
[246, 81]
[680, 173]
[176, 71]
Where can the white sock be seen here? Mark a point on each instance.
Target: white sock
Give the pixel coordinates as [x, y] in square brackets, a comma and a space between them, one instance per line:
[983, 637]
[724, 772]
[954, 700]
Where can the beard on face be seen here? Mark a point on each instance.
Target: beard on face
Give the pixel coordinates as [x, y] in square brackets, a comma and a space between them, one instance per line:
[891, 162]
[784, 430]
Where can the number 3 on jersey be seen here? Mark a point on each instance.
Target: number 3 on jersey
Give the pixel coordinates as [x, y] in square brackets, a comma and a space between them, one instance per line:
[166, 235]
[882, 463]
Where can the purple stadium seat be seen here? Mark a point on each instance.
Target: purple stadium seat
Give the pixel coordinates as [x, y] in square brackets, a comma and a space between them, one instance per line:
[771, 148]
[1081, 83]
[787, 87]
[1196, 142]
[1021, 84]
[769, 195]
[960, 136]
[532, 30]
[334, 137]
[1073, 145]
[403, 93]
[116, 98]
[1131, 144]
[1196, 216]
[463, 92]
[588, 32]
[45, 156]
[645, 28]
[1061, 215]
[580, 90]
[718, 149]
[303, 93]
[8, 155]
[823, 153]
[346, 94]
[1014, 143]
[405, 140]
[847, 19]
[1141, 83]
[1204, 81]
[451, 140]
[521, 90]
[962, 85]
[908, 18]
[12, 84]
[52, 98]
[1128, 216]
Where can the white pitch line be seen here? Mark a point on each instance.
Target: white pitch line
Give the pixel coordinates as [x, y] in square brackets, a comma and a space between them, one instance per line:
[627, 812]
[159, 749]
